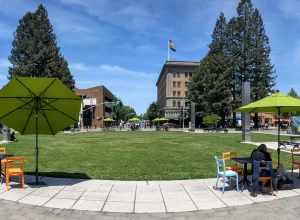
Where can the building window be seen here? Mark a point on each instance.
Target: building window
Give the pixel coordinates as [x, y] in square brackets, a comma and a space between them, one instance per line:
[174, 84]
[174, 75]
[186, 84]
[178, 93]
[174, 93]
[174, 103]
[178, 75]
[178, 84]
[178, 104]
[186, 93]
[190, 74]
[186, 74]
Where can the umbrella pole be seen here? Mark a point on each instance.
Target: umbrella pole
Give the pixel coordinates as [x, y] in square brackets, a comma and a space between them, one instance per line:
[278, 139]
[36, 152]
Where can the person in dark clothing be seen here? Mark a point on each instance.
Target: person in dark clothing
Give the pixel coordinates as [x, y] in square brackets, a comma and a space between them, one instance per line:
[260, 155]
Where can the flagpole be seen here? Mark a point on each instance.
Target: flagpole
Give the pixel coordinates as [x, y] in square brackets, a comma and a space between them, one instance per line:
[168, 58]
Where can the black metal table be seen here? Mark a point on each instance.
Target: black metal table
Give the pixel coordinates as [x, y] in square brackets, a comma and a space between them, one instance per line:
[245, 161]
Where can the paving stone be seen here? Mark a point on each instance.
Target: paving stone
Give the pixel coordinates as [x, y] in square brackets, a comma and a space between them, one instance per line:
[14, 195]
[34, 200]
[75, 188]
[149, 207]
[117, 196]
[88, 205]
[149, 197]
[233, 198]
[285, 193]
[67, 194]
[180, 206]
[94, 196]
[60, 203]
[45, 192]
[171, 187]
[118, 207]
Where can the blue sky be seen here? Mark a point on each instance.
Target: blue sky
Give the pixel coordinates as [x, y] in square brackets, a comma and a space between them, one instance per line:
[123, 44]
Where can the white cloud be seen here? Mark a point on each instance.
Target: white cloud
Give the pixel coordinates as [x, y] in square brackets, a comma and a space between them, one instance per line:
[130, 15]
[105, 70]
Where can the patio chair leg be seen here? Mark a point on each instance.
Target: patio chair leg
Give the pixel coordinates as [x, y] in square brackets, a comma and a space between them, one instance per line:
[22, 181]
[217, 182]
[224, 181]
[237, 183]
[7, 182]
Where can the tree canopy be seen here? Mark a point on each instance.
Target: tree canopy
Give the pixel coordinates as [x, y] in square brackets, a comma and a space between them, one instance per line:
[121, 112]
[34, 49]
[152, 111]
[239, 51]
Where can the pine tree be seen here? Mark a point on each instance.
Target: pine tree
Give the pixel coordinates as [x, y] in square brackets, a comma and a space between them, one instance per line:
[210, 87]
[35, 51]
[232, 51]
[250, 51]
[263, 79]
[293, 93]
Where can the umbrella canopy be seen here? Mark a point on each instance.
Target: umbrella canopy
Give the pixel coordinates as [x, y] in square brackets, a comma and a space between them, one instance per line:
[108, 120]
[38, 106]
[272, 103]
[160, 119]
[278, 103]
[135, 119]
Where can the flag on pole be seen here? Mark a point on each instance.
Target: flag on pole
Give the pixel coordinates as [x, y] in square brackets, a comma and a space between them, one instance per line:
[171, 46]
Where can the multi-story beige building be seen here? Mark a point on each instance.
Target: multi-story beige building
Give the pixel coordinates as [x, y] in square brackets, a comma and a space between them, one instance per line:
[172, 87]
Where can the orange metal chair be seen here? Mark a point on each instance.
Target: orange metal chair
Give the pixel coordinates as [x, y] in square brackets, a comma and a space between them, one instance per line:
[226, 156]
[14, 166]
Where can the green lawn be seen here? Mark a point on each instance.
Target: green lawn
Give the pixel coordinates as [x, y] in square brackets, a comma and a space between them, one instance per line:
[131, 155]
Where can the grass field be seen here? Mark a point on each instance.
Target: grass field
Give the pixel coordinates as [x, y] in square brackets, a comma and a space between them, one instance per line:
[131, 155]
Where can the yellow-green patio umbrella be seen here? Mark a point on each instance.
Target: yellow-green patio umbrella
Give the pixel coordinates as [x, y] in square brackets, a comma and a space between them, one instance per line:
[277, 103]
[108, 120]
[33, 105]
[160, 119]
[135, 119]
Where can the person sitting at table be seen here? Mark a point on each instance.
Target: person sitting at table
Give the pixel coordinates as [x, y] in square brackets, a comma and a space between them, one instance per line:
[259, 154]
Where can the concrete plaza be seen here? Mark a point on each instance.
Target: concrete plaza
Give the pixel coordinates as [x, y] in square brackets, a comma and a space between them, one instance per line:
[135, 196]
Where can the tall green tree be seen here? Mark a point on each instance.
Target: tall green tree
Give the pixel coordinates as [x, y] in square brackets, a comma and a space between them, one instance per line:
[152, 111]
[250, 52]
[35, 51]
[121, 112]
[293, 93]
[210, 88]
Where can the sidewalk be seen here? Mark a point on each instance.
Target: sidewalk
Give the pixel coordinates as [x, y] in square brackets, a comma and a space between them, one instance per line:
[286, 208]
[135, 196]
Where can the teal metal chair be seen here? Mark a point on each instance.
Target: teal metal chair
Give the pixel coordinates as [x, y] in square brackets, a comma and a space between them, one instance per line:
[226, 175]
